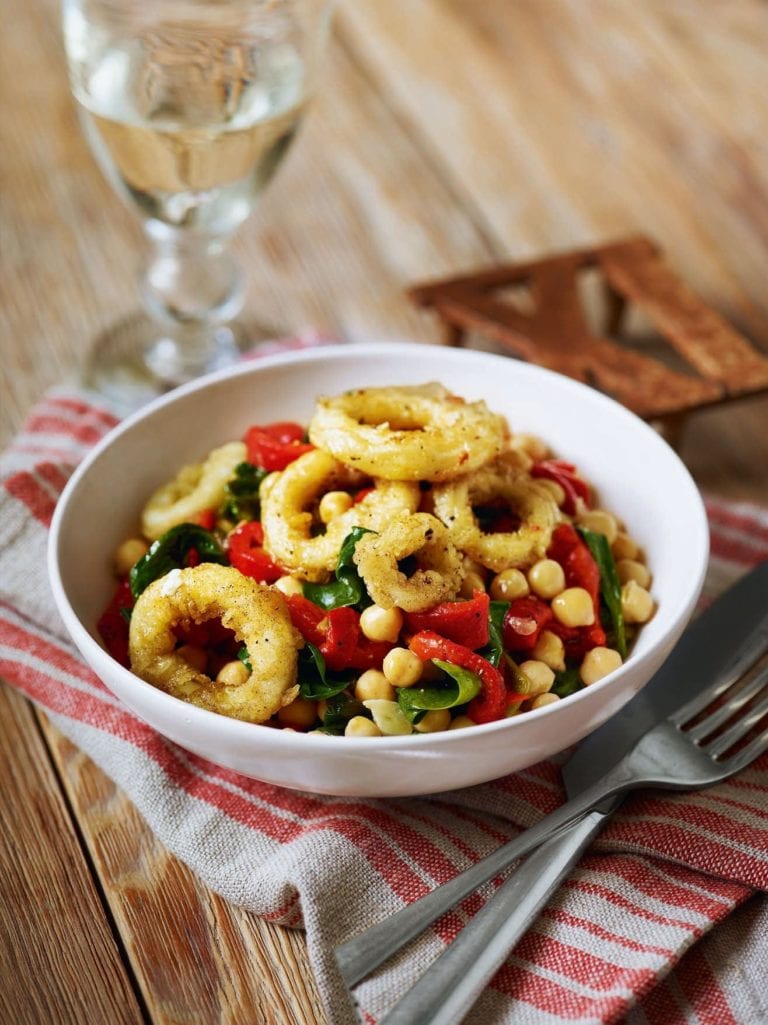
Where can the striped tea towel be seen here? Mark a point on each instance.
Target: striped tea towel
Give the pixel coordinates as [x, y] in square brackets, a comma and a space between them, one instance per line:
[630, 936]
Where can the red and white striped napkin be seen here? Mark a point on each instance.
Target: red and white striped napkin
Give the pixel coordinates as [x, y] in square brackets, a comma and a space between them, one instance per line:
[630, 936]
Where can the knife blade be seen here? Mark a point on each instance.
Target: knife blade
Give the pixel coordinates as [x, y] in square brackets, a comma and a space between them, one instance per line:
[718, 644]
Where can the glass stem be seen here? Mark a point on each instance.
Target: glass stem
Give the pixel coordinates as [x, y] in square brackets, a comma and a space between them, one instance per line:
[192, 287]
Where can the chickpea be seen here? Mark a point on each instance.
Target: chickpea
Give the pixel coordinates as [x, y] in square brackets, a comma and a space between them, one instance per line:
[550, 650]
[574, 607]
[373, 684]
[194, 656]
[299, 714]
[288, 585]
[128, 554]
[360, 726]
[508, 585]
[631, 569]
[232, 674]
[601, 522]
[636, 603]
[333, 504]
[378, 624]
[539, 674]
[473, 581]
[401, 667]
[434, 722]
[461, 722]
[546, 578]
[544, 699]
[624, 547]
[597, 663]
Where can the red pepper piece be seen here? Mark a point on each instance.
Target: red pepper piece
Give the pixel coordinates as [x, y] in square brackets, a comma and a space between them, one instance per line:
[465, 622]
[581, 570]
[206, 519]
[113, 626]
[578, 563]
[247, 554]
[274, 446]
[578, 640]
[523, 622]
[307, 617]
[564, 473]
[336, 633]
[492, 701]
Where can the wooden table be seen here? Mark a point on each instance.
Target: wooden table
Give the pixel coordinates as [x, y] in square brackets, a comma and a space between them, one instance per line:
[448, 134]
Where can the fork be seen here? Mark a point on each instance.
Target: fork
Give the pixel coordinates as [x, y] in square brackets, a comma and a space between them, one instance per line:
[682, 752]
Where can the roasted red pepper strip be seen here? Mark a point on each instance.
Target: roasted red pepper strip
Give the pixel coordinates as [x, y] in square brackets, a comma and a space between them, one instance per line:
[492, 701]
[578, 563]
[564, 474]
[336, 633]
[274, 446]
[523, 622]
[113, 625]
[581, 570]
[245, 551]
[465, 622]
[206, 518]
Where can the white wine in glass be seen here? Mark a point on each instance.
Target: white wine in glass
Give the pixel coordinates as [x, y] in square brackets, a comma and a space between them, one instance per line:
[189, 107]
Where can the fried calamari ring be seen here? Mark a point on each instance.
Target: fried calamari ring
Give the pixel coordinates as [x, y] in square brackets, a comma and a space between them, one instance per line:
[256, 614]
[194, 489]
[418, 536]
[528, 499]
[422, 433]
[288, 520]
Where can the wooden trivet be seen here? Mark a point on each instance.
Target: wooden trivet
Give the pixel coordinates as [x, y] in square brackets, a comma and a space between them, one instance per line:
[716, 363]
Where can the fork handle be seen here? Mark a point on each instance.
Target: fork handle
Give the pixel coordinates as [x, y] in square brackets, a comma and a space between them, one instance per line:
[359, 956]
[444, 994]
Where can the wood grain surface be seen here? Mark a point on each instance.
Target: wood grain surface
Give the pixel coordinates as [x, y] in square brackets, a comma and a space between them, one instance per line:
[448, 134]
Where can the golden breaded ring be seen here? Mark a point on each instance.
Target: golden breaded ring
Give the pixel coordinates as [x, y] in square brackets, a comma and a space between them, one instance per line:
[257, 615]
[530, 500]
[439, 570]
[286, 512]
[194, 489]
[414, 434]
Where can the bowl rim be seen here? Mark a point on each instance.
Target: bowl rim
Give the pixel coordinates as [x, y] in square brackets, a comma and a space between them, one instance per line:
[239, 730]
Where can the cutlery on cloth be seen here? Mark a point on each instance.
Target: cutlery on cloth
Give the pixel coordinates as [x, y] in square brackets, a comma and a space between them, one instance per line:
[643, 744]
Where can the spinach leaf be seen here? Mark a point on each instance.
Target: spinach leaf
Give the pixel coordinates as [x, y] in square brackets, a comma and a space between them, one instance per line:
[242, 494]
[610, 588]
[461, 686]
[348, 587]
[567, 681]
[494, 650]
[315, 682]
[339, 711]
[170, 552]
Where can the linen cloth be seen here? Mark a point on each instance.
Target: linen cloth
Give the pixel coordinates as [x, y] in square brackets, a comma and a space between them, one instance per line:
[629, 938]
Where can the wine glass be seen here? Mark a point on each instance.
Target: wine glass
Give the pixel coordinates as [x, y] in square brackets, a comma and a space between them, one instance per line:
[189, 107]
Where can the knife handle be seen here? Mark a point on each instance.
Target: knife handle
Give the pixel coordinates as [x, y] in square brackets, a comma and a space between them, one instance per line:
[444, 994]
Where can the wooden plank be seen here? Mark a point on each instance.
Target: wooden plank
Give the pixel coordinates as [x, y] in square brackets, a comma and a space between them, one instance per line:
[59, 961]
[196, 958]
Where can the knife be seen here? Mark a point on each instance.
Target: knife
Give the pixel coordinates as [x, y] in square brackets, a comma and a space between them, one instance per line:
[721, 642]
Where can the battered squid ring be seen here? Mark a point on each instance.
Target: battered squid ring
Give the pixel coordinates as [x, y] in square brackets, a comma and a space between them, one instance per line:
[422, 433]
[257, 615]
[423, 537]
[528, 498]
[287, 518]
[195, 488]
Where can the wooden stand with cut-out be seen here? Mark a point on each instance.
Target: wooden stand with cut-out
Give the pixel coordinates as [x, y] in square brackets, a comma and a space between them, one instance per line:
[716, 363]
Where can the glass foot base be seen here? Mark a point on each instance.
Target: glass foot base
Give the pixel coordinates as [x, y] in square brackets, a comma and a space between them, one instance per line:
[138, 359]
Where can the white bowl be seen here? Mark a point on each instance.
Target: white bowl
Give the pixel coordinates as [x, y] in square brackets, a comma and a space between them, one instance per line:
[636, 474]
